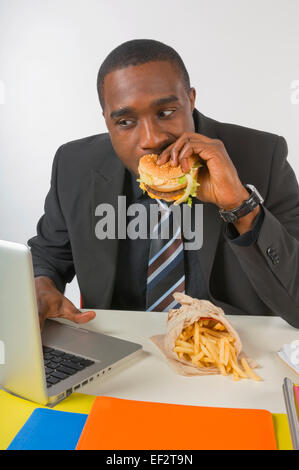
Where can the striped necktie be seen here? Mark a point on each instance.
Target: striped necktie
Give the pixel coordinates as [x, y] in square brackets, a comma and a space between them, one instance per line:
[166, 273]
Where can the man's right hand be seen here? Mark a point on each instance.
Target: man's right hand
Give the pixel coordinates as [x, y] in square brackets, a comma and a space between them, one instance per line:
[52, 303]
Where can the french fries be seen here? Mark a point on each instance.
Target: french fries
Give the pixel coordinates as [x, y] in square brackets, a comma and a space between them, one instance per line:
[207, 343]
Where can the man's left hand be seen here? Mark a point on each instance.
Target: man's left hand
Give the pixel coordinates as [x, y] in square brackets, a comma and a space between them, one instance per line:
[218, 178]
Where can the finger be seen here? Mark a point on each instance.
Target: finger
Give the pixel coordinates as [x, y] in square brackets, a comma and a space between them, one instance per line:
[174, 160]
[183, 157]
[205, 151]
[174, 149]
[80, 317]
[189, 149]
[178, 146]
[203, 138]
[165, 155]
[192, 137]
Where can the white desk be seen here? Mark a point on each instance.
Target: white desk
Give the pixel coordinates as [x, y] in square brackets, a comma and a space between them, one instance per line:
[150, 378]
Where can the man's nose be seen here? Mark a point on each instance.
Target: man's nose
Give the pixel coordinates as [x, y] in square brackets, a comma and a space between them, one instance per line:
[152, 139]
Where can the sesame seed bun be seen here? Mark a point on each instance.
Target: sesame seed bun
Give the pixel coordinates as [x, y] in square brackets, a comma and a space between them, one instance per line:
[148, 165]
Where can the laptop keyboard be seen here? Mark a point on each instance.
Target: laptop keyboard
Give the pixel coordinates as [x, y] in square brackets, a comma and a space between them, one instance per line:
[60, 365]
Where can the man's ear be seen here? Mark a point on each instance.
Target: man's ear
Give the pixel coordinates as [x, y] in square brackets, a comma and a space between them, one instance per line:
[192, 97]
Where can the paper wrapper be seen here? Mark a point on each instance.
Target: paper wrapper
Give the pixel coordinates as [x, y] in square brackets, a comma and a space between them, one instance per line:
[192, 310]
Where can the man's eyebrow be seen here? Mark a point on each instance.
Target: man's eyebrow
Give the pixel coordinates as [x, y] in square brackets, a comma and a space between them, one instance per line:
[121, 112]
[166, 100]
[160, 101]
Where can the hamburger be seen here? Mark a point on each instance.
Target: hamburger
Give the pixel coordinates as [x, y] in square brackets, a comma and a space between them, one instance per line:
[167, 182]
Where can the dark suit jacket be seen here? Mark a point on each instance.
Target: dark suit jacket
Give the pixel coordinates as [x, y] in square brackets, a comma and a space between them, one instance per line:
[249, 280]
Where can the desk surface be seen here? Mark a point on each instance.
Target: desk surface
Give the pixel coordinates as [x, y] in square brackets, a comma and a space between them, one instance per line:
[150, 378]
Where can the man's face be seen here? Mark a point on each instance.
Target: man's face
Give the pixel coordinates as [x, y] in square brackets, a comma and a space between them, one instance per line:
[146, 109]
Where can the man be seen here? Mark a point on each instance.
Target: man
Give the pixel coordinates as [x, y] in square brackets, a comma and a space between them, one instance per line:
[247, 266]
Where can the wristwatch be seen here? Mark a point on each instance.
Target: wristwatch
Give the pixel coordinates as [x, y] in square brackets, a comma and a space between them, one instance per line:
[245, 208]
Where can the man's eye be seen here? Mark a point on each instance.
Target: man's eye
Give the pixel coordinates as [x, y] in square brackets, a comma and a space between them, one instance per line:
[166, 113]
[125, 123]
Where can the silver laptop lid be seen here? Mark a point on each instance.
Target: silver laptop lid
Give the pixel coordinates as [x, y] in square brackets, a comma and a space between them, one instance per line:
[23, 370]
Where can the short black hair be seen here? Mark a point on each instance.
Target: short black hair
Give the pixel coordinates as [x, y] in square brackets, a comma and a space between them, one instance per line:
[137, 52]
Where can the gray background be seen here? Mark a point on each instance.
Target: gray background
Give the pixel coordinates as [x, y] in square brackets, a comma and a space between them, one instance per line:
[243, 60]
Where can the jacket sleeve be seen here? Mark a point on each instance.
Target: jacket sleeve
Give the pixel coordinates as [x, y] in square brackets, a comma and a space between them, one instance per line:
[51, 248]
[271, 262]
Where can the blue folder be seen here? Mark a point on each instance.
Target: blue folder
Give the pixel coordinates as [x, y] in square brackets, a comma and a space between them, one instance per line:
[49, 430]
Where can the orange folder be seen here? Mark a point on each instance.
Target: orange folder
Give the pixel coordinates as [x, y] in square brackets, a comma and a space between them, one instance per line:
[119, 424]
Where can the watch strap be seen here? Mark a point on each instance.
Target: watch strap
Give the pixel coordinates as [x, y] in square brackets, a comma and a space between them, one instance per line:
[245, 208]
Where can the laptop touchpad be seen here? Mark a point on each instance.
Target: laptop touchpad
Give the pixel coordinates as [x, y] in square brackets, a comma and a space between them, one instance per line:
[71, 339]
[80, 342]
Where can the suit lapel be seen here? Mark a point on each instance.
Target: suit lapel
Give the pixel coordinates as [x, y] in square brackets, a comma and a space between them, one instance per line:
[107, 183]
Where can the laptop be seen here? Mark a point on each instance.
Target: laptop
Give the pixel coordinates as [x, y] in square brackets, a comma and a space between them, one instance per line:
[46, 368]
